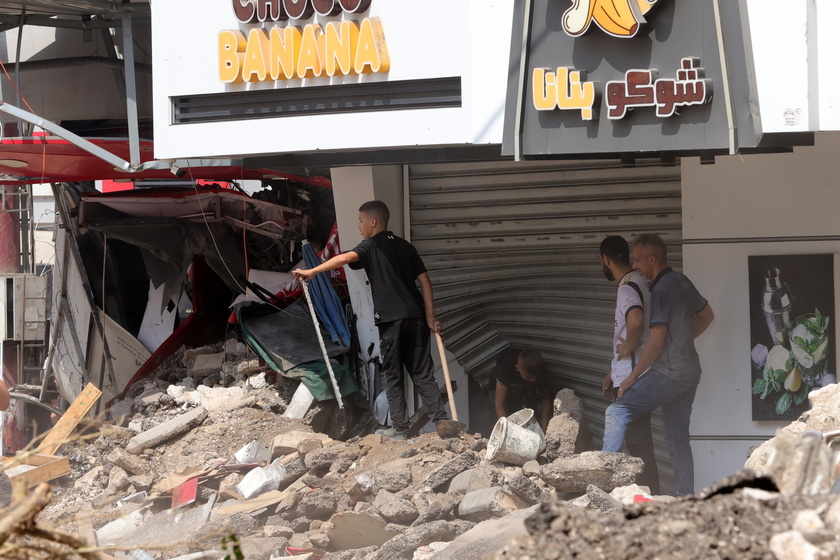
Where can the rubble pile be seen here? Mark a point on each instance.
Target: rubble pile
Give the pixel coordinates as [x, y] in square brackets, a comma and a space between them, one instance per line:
[203, 460]
[201, 454]
[784, 505]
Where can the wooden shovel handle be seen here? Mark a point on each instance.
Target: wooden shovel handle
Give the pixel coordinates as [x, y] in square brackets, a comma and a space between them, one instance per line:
[446, 376]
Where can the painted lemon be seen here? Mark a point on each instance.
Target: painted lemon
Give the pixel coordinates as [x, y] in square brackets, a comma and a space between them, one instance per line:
[777, 358]
[794, 380]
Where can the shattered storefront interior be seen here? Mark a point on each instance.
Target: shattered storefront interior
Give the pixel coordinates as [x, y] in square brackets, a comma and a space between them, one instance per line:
[144, 272]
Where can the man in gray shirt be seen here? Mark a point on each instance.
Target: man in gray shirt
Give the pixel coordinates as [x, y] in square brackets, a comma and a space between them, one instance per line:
[670, 363]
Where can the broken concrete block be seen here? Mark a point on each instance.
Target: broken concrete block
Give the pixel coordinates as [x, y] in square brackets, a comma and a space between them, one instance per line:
[427, 552]
[117, 480]
[391, 476]
[319, 540]
[488, 538]
[567, 432]
[253, 452]
[792, 545]
[395, 509]
[439, 506]
[151, 396]
[489, 503]
[626, 495]
[302, 400]
[234, 347]
[486, 476]
[142, 481]
[604, 469]
[525, 488]
[129, 463]
[338, 457]
[114, 531]
[531, 468]
[255, 382]
[402, 547]
[461, 483]
[167, 430]
[247, 367]
[276, 531]
[448, 471]
[89, 478]
[308, 446]
[288, 442]
[120, 411]
[601, 501]
[318, 503]
[295, 468]
[208, 364]
[223, 398]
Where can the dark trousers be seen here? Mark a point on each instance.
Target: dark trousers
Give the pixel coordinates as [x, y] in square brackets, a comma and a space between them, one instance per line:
[639, 442]
[406, 342]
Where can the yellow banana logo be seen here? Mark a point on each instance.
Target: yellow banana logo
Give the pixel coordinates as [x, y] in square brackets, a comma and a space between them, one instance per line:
[619, 18]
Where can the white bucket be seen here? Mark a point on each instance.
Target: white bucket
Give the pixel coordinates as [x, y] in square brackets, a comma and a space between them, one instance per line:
[513, 444]
[527, 419]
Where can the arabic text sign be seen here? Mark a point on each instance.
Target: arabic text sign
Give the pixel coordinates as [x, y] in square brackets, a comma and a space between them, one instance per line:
[567, 89]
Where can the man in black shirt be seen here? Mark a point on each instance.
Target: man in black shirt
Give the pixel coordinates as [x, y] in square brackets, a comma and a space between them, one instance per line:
[405, 316]
[521, 383]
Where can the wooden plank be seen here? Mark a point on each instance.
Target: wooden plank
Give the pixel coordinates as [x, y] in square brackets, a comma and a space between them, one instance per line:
[84, 526]
[71, 418]
[47, 467]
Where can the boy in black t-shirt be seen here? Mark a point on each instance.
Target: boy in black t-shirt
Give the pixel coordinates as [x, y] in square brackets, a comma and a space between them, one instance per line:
[405, 316]
[521, 383]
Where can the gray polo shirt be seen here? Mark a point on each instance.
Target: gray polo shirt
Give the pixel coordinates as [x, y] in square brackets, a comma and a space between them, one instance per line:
[674, 302]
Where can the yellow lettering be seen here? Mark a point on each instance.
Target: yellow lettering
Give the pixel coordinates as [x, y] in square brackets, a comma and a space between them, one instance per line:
[255, 66]
[372, 52]
[285, 45]
[231, 45]
[340, 49]
[545, 89]
[309, 61]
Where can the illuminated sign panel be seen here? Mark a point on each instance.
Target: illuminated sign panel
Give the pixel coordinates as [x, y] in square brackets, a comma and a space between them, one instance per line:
[285, 52]
[618, 76]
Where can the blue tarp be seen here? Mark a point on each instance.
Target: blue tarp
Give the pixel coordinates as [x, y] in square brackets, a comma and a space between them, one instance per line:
[328, 307]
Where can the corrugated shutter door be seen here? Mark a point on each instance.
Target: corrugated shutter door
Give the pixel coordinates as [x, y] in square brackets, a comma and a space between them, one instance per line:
[512, 250]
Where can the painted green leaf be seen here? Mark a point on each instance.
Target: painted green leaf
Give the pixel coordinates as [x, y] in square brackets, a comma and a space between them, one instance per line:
[784, 403]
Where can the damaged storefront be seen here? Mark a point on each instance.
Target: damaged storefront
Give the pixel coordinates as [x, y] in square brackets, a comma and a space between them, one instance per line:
[144, 272]
[507, 164]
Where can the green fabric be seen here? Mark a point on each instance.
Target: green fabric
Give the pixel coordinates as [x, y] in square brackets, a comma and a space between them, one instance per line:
[316, 377]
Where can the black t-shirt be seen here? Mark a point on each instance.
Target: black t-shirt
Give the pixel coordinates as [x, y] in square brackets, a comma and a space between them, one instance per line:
[392, 265]
[520, 393]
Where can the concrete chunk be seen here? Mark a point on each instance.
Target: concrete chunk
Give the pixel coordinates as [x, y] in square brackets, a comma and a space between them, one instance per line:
[167, 430]
[208, 364]
[450, 470]
[489, 503]
[604, 469]
[288, 442]
[129, 463]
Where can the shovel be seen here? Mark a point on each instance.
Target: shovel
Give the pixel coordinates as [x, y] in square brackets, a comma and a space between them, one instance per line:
[448, 428]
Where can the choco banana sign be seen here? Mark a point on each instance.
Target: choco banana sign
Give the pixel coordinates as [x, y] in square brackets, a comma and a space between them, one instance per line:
[622, 76]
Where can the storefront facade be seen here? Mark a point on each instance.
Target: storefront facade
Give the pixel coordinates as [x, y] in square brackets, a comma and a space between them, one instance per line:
[432, 116]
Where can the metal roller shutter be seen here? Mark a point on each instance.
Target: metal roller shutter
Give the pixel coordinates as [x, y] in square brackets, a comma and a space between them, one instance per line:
[512, 250]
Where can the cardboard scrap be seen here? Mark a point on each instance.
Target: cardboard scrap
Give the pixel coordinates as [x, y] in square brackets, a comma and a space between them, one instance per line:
[247, 506]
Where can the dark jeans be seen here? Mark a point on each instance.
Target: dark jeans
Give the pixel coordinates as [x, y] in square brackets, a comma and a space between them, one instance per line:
[406, 342]
[639, 441]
